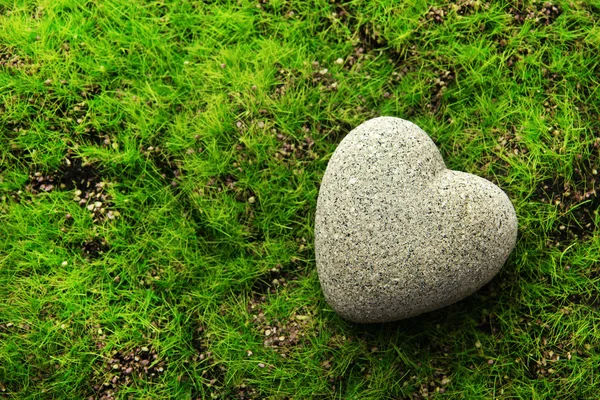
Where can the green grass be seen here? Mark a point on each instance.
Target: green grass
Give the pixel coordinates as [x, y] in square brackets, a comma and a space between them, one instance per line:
[229, 95]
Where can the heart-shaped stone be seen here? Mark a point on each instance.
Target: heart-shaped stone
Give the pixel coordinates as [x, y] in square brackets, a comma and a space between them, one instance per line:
[397, 234]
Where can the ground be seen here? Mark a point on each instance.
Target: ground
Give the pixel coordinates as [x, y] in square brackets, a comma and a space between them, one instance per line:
[159, 168]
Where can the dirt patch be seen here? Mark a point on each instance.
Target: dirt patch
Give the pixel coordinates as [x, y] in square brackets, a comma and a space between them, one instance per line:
[74, 173]
[440, 85]
[322, 78]
[436, 385]
[12, 328]
[213, 374]
[94, 248]
[283, 8]
[540, 13]
[270, 282]
[576, 201]
[90, 249]
[122, 367]
[355, 60]
[82, 177]
[550, 362]
[591, 300]
[370, 39]
[89, 91]
[245, 392]
[168, 168]
[285, 79]
[151, 280]
[295, 150]
[514, 59]
[5, 390]
[100, 138]
[438, 15]
[371, 42]
[12, 61]
[99, 336]
[592, 11]
[510, 140]
[279, 336]
[552, 78]
[222, 183]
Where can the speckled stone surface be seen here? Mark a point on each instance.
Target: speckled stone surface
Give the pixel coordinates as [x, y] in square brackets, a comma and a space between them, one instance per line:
[397, 234]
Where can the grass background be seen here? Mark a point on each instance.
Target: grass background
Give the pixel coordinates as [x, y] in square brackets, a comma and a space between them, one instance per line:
[208, 126]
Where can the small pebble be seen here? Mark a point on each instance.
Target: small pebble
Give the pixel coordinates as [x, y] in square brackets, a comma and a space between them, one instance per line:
[339, 61]
[64, 263]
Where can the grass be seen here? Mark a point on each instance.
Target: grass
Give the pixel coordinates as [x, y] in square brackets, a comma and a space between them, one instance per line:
[203, 129]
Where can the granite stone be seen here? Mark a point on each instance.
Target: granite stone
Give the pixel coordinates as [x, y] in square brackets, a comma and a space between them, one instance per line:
[397, 234]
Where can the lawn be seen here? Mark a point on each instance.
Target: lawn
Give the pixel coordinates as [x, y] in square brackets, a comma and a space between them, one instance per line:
[160, 163]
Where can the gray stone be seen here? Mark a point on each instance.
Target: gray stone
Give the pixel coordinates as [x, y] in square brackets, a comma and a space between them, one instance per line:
[397, 234]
